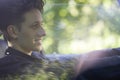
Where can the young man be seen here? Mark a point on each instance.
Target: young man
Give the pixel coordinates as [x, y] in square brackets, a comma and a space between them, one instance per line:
[21, 24]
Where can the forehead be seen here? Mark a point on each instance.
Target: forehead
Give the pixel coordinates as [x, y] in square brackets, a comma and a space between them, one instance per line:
[33, 16]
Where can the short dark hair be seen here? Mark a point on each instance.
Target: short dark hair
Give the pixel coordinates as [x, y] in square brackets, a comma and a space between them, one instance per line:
[12, 11]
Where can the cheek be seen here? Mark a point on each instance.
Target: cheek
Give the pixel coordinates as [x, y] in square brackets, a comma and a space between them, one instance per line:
[29, 38]
[27, 35]
[26, 40]
[24, 36]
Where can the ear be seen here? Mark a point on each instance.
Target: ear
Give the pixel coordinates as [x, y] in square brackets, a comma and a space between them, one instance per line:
[12, 31]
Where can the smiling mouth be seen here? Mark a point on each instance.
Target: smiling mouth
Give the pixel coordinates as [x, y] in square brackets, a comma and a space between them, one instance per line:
[38, 41]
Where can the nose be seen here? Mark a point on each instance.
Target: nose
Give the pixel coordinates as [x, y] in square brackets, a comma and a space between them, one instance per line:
[41, 32]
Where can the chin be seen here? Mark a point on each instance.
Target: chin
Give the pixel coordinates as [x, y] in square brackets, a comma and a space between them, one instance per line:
[37, 49]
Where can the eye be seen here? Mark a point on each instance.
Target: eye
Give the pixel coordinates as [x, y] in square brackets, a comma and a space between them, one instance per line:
[36, 26]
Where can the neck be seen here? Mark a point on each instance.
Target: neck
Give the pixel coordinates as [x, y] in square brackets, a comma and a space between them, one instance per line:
[28, 52]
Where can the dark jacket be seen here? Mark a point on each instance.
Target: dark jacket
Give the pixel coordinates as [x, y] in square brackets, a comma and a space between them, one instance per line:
[17, 63]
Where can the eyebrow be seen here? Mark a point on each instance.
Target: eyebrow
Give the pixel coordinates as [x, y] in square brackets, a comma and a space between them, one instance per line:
[40, 22]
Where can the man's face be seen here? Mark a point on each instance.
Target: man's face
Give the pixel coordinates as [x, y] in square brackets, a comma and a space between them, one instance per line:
[31, 32]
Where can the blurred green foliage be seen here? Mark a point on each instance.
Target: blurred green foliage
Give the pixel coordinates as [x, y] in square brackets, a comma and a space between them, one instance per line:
[77, 26]
[52, 70]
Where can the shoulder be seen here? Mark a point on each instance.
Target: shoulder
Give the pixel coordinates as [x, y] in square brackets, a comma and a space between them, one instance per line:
[6, 60]
[12, 65]
[9, 61]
